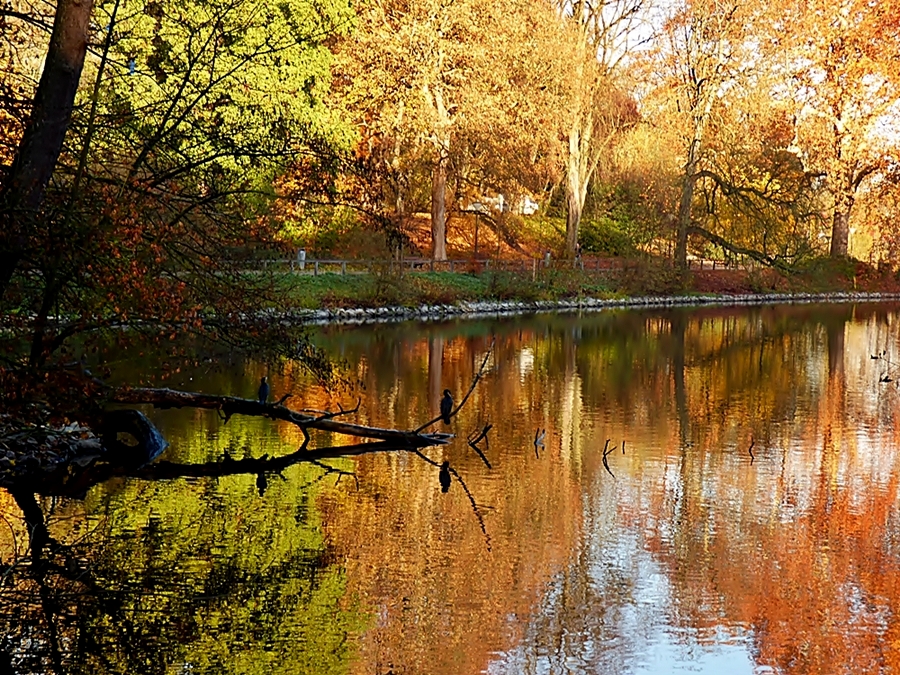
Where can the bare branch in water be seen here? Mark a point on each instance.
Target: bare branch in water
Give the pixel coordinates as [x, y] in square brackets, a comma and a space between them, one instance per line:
[539, 440]
[465, 398]
[608, 451]
[473, 443]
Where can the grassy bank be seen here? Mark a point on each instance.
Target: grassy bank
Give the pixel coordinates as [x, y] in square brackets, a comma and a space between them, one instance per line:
[436, 288]
[637, 278]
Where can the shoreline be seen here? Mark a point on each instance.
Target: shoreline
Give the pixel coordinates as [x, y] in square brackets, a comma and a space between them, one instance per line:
[499, 308]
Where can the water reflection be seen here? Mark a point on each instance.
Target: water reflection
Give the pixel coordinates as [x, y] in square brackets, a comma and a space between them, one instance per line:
[752, 525]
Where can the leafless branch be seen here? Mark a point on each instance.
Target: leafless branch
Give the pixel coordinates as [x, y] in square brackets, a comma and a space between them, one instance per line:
[474, 440]
[465, 398]
[608, 451]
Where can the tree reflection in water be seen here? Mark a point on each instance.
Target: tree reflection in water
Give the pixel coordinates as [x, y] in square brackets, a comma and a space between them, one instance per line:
[228, 591]
[693, 557]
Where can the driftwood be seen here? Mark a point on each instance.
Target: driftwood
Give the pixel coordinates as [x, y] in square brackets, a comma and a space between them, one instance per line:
[232, 405]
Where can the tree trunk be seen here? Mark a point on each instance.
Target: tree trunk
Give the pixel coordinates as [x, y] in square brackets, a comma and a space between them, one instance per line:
[575, 194]
[683, 221]
[42, 141]
[441, 140]
[439, 209]
[840, 229]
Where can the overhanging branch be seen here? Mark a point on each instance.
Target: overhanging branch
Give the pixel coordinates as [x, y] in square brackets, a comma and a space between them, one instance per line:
[738, 250]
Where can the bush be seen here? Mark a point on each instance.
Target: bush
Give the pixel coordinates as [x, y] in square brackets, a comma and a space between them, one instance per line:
[607, 236]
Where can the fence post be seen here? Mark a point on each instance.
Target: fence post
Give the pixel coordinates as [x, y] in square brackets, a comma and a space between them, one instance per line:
[316, 271]
[343, 267]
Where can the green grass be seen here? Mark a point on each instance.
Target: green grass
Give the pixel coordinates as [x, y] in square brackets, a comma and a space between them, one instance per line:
[435, 288]
[640, 277]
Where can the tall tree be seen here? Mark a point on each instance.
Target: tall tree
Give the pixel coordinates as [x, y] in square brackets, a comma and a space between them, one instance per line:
[690, 68]
[838, 63]
[434, 84]
[605, 32]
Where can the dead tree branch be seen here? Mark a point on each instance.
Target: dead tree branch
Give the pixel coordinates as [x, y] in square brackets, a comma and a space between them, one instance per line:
[465, 398]
[608, 451]
[232, 405]
[473, 443]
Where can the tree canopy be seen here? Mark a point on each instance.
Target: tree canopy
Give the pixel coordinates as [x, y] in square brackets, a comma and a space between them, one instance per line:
[145, 143]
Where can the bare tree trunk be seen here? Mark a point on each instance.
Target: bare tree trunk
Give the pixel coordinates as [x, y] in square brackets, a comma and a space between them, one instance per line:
[683, 221]
[439, 210]
[439, 178]
[840, 229]
[42, 141]
[575, 194]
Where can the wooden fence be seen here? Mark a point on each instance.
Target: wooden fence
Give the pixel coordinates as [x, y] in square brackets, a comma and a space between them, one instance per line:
[317, 266]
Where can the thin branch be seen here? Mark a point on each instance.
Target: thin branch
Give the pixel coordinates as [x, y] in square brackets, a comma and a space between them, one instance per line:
[473, 443]
[475, 380]
[607, 451]
[539, 440]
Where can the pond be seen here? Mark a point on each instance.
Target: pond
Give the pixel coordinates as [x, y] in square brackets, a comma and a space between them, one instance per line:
[743, 519]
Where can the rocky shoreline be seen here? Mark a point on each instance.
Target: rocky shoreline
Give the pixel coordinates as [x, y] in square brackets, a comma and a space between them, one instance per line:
[483, 309]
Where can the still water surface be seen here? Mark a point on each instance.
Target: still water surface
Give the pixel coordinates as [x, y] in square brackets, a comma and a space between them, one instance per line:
[751, 524]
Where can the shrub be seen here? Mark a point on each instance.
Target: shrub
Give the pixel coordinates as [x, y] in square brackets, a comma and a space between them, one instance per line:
[607, 236]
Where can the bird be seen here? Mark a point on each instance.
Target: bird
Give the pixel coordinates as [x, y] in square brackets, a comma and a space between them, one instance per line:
[263, 393]
[446, 406]
[444, 476]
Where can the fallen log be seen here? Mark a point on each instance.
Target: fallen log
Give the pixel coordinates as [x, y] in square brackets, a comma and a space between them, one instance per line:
[233, 405]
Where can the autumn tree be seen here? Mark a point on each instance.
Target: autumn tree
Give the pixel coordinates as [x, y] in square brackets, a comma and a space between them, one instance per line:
[838, 66]
[450, 91]
[157, 162]
[753, 196]
[601, 107]
[696, 53]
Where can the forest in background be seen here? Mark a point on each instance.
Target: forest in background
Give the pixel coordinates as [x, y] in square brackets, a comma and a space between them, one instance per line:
[149, 146]
[707, 128]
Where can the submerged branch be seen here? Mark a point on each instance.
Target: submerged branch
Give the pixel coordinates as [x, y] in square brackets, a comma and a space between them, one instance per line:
[474, 440]
[606, 452]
